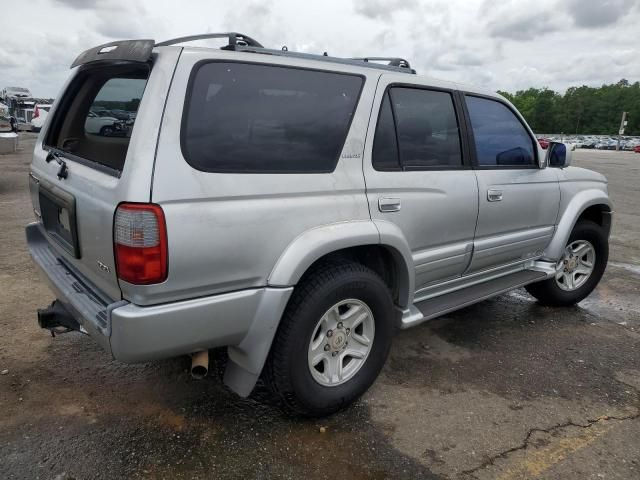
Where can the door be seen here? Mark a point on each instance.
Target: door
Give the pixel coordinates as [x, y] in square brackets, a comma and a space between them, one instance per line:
[518, 200]
[418, 178]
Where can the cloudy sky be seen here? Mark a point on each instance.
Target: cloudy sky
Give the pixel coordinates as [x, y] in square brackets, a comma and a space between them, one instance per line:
[506, 45]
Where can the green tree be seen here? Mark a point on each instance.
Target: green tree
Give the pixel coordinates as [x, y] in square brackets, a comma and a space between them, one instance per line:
[581, 110]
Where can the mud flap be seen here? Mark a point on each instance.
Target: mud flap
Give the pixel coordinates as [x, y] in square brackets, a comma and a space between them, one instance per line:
[248, 357]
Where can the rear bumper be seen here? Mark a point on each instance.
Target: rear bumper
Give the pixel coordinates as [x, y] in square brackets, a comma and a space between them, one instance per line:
[78, 296]
[131, 333]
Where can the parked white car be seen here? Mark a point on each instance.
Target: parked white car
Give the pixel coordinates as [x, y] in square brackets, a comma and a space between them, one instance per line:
[101, 125]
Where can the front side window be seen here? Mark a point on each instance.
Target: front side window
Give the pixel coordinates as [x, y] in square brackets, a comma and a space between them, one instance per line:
[426, 131]
[247, 118]
[500, 137]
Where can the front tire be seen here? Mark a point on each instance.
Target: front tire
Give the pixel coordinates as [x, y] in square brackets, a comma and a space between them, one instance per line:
[579, 270]
[333, 340]
[106, 131]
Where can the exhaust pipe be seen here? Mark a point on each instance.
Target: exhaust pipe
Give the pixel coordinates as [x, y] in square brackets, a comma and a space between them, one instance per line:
[57, 319]
[199, 364]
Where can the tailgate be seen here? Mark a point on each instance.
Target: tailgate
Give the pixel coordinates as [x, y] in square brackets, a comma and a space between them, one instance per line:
[98, 151]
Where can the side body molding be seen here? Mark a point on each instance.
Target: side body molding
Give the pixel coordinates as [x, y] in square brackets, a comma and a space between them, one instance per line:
[569, 216]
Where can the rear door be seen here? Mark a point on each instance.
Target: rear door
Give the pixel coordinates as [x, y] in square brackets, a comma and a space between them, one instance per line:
[418, 177]
[518, 200]
[80, 173]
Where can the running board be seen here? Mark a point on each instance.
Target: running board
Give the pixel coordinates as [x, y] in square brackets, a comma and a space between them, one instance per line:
[434, 307]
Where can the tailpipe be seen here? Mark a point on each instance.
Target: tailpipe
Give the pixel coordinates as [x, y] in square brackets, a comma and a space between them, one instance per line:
[199, 364]
[57, 319]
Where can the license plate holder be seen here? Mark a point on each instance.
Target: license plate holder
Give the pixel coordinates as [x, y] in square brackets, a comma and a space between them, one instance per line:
[58, 210]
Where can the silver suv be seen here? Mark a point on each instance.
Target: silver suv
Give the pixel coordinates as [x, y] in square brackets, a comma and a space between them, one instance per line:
[294, 208]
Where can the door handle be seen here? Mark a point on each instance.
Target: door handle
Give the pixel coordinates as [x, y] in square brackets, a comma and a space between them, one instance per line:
[386, 204]
[494, 195]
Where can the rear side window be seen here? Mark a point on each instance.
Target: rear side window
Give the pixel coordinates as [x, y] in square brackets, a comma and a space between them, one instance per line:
[247, 118]
[426, 131]
[500, 137]
[97, 113]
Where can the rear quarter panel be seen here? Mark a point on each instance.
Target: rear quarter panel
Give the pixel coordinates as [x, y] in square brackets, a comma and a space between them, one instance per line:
[226, 231]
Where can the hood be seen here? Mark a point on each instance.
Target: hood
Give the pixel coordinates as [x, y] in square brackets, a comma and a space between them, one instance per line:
[578, 173]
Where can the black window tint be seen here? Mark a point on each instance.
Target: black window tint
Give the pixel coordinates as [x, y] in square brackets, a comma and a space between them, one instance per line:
[246, 118]
[427, 128]
[385, 145]
[500, 137]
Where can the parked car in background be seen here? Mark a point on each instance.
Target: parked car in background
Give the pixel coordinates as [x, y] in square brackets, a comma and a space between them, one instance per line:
[120, 114]
[636, 149]
[40, 112]
[105, 126]
[629, 144]
[601, 142]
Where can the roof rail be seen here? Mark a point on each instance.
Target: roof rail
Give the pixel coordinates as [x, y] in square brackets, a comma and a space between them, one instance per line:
[244, 43]
[392, 61]
[235, 40]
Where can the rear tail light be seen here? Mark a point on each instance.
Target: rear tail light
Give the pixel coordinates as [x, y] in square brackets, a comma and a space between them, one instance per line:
[140, 243]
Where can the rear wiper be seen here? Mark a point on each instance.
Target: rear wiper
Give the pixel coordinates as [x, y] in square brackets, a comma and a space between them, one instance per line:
[57, 155]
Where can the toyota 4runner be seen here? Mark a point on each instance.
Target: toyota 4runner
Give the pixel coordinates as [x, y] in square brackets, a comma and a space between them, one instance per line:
[294, 208]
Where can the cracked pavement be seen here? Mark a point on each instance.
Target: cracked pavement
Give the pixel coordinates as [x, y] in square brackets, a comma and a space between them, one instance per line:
[505, 389]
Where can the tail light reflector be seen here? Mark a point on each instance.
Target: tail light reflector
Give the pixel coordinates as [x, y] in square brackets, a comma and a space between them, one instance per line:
[140, 243]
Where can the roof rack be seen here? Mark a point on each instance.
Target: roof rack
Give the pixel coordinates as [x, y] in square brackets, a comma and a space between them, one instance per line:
[393, 61]
[244, 43]
[235, 40]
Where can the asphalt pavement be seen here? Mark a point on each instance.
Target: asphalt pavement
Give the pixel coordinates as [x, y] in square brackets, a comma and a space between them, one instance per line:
[505, 389]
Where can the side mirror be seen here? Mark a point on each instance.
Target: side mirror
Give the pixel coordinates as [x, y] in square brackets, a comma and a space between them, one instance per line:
[558, 155]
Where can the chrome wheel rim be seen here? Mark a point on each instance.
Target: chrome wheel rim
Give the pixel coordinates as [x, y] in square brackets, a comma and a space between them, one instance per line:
[341, 342]
[576, 265]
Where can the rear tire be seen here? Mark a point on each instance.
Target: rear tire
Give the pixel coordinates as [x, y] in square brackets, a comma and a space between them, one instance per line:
[559, 292]
[332, 297]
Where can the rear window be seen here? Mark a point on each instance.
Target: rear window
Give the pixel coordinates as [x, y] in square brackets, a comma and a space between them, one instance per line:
[247, 118]
[97, 113]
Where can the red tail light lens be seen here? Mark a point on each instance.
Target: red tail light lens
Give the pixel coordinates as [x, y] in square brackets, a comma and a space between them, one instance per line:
[140, 243]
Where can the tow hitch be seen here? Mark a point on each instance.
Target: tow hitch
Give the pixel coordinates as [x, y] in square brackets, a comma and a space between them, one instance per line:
[57, 319]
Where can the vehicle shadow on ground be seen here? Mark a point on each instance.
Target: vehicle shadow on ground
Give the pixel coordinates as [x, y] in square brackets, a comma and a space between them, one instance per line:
[152, 420]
